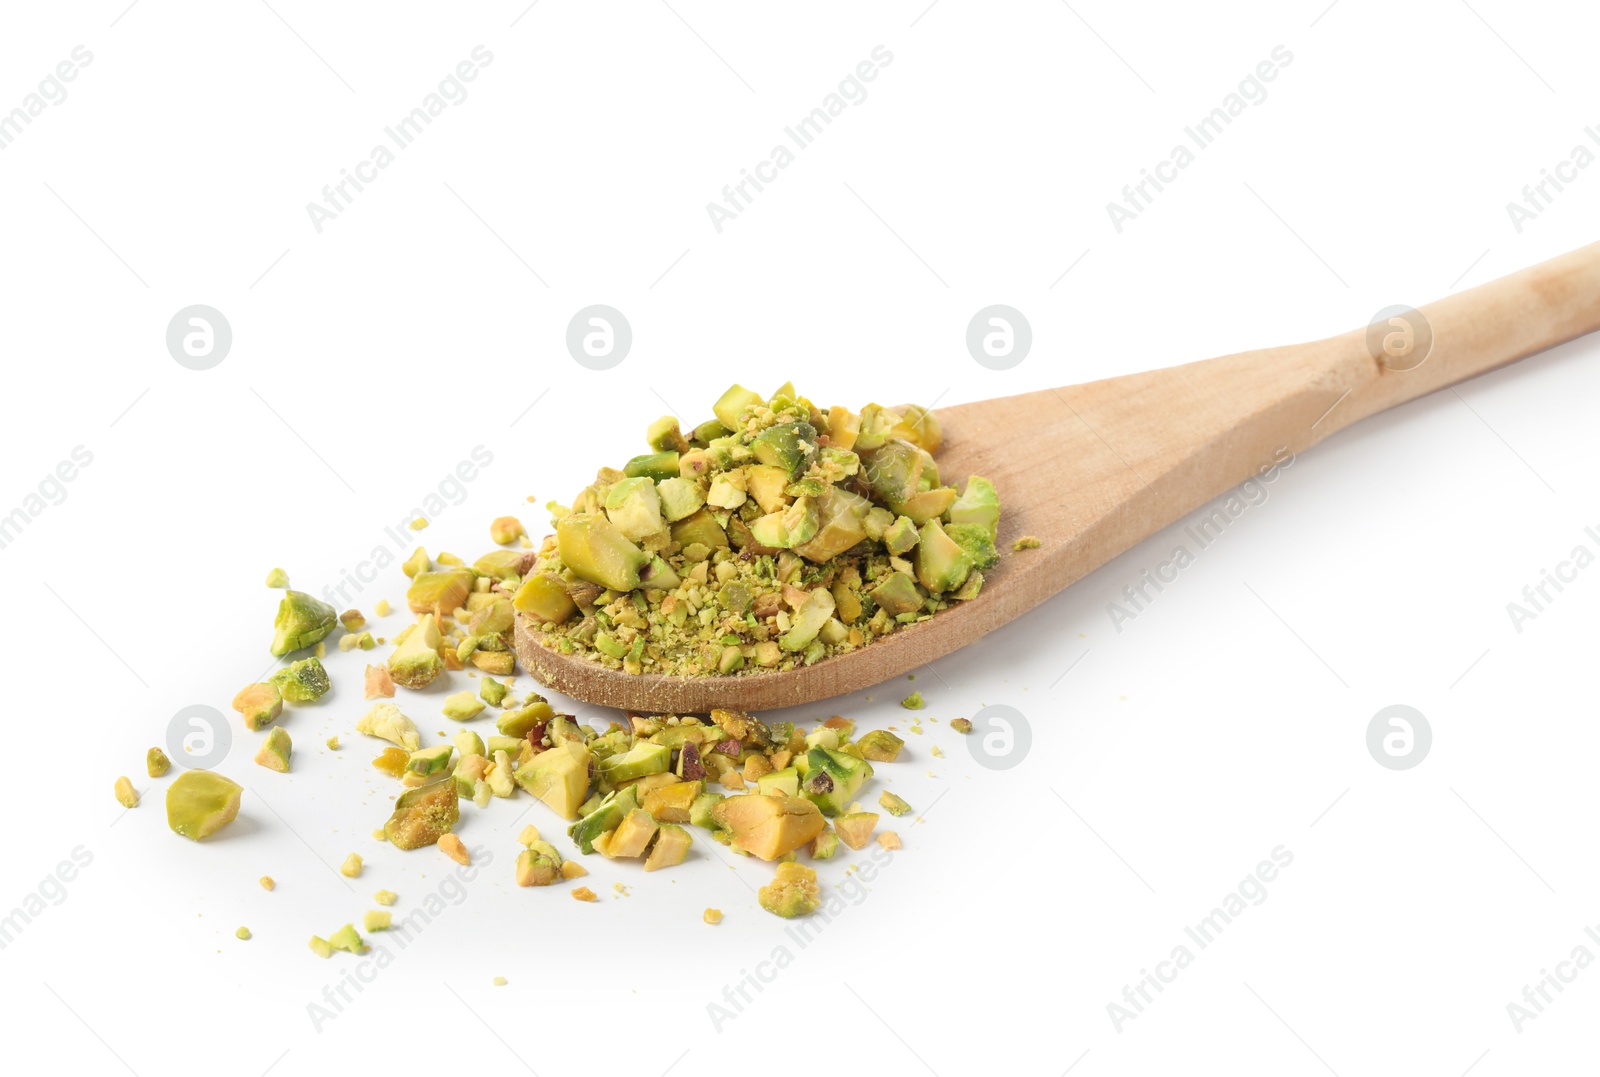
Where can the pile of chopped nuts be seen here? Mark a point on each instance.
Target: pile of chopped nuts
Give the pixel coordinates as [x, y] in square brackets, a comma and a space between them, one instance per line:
[772, 535]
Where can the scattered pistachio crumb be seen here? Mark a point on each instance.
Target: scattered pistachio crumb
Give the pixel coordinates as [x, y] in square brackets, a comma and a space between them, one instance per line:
[506, 529]
[529, 835]
[267, 883]
[377, 920]
[938, 752]
[321, 946]
[620, 888]
[453, 847]
[156, 762]
[277, 578]
[913, 702]
[383, 609]
[127, 796]
[1026, 542]
[892, 804]
[961, 725]
[712, 916]
[380, 834]
[916, 728]
[321, 649]
[583, 893]
[242, 934]
[386, 897]
[351, 867]
[500, 981]
[333, 742]
[419, 523]
[571, 869]
[889, 839]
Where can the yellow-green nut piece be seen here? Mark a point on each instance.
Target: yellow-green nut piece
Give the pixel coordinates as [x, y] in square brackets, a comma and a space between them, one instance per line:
[545, 597]
[156, 762]
[792, 892]
[352, 620]
[302, 622]
[258, 704]
[892, 804]
[492, 692]
[243, 934]
[351, 868]
[417, 563]
[913, 702]
[506, 529]
[386, 897]
[825, 845]
[416, 662]
[127, 796]
[277, 578]
[387, 722]
[321, 946]
[377, 920]
[305, 681]
[882, 746]
[347, 940]
[961, 725]
[201, 802]
[595, 550]
[274, 753]
[463, 706]
[440, 593]
[423, 815]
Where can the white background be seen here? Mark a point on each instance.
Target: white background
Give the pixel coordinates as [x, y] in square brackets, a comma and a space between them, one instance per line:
[429, 318]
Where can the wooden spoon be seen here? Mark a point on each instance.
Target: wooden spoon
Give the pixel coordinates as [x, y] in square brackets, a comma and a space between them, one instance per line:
[1091, 470]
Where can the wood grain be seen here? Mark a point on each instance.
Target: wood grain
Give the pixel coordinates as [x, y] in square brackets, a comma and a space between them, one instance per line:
[1094, 469]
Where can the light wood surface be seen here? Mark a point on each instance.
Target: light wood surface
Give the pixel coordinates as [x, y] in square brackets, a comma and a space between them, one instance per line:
[1093, 469]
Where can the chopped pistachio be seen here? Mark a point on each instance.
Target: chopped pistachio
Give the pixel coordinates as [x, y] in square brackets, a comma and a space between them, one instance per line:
[243, 934]
[422, 816]
[529, 835]
[267, 882]
[792, 892]
[454, 849]
[305, 681]
[418, 524]
[386, 722]
[201, 802]
[156, 762]
[347, 940]
[379, 685]
[889, 839]
[712, 916]
[583, 893]
[462, 706]
[351, 868]
[127, 796]
[961, 725]
[1026, 542]
[506, 530]
[913, 702]
[571, 869]
[892, 804]
[275, 749]
[302, 622]
[492, 692]
[333, 743]
[880, 746]
[386, 897]
[500, 981]
[278, 578]
[259, 704]
[376, 920]
[321, 946]
[383, 609]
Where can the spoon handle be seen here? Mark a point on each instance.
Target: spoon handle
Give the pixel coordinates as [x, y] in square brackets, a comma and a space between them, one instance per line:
[1414, 353]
